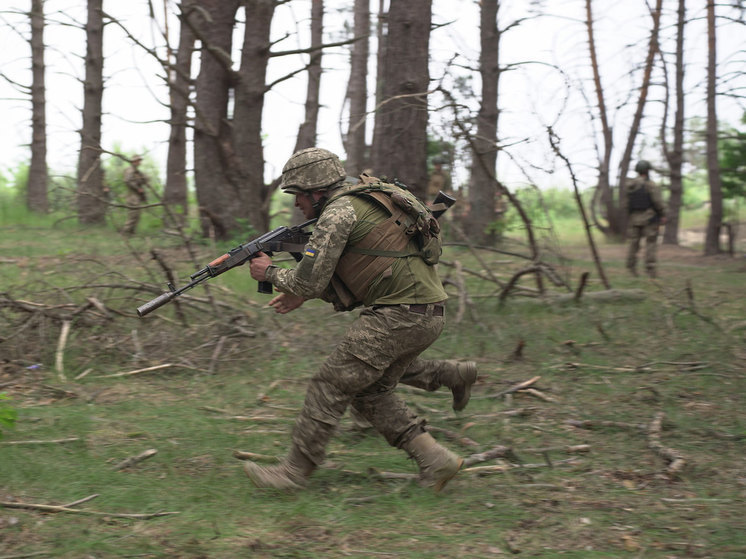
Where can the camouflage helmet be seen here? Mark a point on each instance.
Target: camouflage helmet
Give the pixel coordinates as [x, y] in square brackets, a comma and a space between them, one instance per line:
[311, 169]
[643, 167]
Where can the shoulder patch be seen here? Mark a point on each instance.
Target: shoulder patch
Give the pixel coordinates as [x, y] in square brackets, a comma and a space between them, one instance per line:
[310, 252]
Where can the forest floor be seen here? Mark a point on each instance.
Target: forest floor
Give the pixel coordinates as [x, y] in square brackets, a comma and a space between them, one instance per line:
[617, 426]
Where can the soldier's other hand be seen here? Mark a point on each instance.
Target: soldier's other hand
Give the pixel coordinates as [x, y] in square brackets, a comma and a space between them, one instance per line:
[286, 302]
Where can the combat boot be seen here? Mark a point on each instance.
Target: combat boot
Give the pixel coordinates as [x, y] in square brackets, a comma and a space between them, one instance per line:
[291, 473]
[459, 377]
[437, 464]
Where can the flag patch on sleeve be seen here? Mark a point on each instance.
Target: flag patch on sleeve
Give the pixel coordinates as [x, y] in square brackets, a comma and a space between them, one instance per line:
[310, 252]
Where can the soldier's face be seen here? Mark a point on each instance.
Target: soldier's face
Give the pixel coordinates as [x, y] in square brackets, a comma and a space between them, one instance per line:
[304, 202]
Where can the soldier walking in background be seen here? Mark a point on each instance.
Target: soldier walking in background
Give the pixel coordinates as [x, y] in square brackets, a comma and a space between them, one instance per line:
[645, 213]
[136, 182]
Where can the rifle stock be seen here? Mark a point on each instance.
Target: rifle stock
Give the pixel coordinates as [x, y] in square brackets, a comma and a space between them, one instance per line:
[441, 204]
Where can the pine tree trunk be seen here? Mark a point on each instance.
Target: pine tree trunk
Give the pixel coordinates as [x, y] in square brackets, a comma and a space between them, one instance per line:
[357, 94]
[676, 155]
[714, 223]
[175, 194]
[482, 183]
[36, 194]
[400, 137]
[91, 203]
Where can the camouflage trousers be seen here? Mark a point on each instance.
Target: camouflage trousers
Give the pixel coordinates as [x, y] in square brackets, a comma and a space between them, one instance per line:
[363, 371]
[425, 373]
[635, 234]
[133, 215]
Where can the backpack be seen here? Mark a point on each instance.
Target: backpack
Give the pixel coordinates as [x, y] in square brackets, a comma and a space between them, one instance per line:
[421, 223]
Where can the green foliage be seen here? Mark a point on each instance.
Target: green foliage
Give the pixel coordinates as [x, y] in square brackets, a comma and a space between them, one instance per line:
[8, 415]
[732, 150]
[543, 207]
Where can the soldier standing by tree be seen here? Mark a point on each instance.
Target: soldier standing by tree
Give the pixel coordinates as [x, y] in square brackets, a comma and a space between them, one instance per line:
[136, 182]
[645, 212]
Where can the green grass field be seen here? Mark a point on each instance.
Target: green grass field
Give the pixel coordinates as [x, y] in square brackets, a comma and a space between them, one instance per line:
[630, 443]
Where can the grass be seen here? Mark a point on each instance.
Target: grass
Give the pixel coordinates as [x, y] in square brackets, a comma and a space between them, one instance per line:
[679, 351]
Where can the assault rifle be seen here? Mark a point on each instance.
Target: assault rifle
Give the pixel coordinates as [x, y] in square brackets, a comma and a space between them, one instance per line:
[283, 239]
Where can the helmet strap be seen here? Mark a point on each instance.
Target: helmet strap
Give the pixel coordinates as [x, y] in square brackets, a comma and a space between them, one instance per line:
[319, 204]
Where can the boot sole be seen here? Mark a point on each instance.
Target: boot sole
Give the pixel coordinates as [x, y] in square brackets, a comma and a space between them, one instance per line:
[440, 484]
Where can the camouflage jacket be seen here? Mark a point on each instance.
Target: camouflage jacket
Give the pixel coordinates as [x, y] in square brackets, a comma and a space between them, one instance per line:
[344, 222]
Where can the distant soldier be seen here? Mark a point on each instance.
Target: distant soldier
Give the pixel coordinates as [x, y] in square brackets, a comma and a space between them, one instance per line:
[136, 182]
[439, 180]
[645, 212]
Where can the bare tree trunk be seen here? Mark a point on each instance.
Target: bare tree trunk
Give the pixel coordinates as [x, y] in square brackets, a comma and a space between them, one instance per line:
[482, 182]
[354, 140]
[212, 130]
[91, 203]
[307, 132]
[175, 194]
[400, 137]
[624, 165]
[714, 223]
[675, 156]
[604, 193]
[382, 32]
[247, 156]
[36, 193]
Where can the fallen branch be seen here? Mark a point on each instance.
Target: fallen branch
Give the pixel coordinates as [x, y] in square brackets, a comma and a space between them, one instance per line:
[131, 461]
[54, 441]
[493, 454]
[81, 501]
[453, 436]
[243, 455]
[55, 508]
[515, 388]
[59, 356]
[588, 424]
[147, 370]
[674, 459]
[538, 394]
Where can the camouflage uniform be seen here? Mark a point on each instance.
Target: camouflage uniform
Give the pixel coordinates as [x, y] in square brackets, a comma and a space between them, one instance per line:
[403, 314]
[379, 346]
[643, 223]
[135, 181]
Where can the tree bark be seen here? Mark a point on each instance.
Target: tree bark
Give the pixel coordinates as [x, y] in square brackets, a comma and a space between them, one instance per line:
[175, 194]
[37, 199]
[91, 203]
[400, 134]
[247, 156]
[714, 223]
[482, 183]
[307, 131]
[675, 156]
[603, 188]
[357, 95]
[215, 194]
